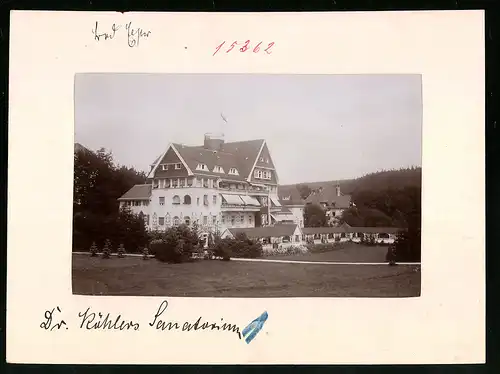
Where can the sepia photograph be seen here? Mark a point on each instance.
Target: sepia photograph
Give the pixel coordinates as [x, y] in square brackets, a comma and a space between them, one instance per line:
[247, 185]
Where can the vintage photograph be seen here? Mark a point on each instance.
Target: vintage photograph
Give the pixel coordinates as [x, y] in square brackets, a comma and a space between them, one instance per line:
[247, 185]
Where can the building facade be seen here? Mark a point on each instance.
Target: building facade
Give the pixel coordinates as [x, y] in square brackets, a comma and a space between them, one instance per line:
[218, 185]
[332, 201]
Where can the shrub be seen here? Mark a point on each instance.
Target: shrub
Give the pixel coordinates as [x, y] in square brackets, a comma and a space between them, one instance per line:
[241, 246]
[121, 251]
[407, 247]
[320, 248]
[106, 251]
[93, 250]
[287, 251]
[145, 253]
[177, 245]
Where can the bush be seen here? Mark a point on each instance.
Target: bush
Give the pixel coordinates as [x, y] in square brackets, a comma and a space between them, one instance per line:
[121, 251]
[93, 250]
[240, 246]
[320, 248]
[407, 247]
[106, 251]
[177, 245]
[145, 253]
[293, 250]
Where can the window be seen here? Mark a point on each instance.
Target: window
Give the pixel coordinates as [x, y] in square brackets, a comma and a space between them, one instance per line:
[162, 200]
[333, 213]
[175, 183]
[265, 174]
[258, 174]
[205, 199]
[218, 169]
[383, 235]
[205, 220]
[223, 220]
[215, 199]
[182, 182]
[238, 219]
[233, 171]
[168, 221]
[161, 221]
[202, 167]
[205, 183]
[330, 236]
[297, 238]
[286, 239]
[250, 219]
[317, 236]
[176, 221]
[232, 220]
[197, 201]
[342, 235]
[187, 199]
[187, 220]
[145, 202]
[178, 166]
[164, 167]
[190, 182]
[136, 203]
[146, 218]
[214, 220]
[267, 161]
[261, 159]
[176, 200]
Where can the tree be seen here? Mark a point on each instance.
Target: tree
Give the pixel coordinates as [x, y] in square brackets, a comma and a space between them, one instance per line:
[98, 183]
[304, 190]
[314, 216]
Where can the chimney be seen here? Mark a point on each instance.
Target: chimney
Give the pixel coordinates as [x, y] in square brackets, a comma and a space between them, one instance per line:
[337, 189]
[213, 142]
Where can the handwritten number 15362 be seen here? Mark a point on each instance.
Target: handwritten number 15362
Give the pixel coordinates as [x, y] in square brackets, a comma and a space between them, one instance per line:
[243, 47]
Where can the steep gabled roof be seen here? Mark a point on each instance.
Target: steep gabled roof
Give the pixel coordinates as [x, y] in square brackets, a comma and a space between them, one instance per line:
[265, 232]
[239, 155]
[329, 195]
[138, 192]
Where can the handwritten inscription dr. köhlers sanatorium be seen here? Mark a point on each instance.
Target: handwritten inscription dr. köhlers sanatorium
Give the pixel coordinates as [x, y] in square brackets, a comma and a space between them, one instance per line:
[90, 320]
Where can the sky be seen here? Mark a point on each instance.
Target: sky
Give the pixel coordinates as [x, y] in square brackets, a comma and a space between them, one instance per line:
[317, 127]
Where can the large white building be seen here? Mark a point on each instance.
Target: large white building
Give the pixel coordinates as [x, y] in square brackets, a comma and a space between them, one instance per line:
[218, 185]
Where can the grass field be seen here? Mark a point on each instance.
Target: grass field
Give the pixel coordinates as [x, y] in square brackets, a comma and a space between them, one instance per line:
[136, 277]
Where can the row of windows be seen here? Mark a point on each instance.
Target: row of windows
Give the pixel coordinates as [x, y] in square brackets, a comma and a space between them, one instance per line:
[136, 203]
[262, 174]
[184, 182]
[176, 200]
[355, 235]
[264, 160]
[176, 166]
[237, 219]
[217, 169]
[176, 221]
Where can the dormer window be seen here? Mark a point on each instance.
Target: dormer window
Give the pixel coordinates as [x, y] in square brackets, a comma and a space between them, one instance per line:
[178, 166]
[164, 167]
[233, 171]
[202, 167]
[218, 169]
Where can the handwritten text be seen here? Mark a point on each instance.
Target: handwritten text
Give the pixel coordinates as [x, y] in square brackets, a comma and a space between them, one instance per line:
[134, 34]
[245, 46]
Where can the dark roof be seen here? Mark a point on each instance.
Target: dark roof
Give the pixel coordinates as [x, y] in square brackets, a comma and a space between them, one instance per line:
[349, 229]
[239, 155]
[265, 232]
[138, 192]
[328, 194]
[291, 194]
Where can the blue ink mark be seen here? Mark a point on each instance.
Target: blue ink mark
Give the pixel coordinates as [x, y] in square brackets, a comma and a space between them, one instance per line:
[254, 327]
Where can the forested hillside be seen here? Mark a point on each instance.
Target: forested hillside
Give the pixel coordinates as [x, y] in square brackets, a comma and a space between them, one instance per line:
[384, 198]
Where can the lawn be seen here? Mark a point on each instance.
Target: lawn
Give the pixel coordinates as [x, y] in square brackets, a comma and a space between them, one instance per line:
[132, 276]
